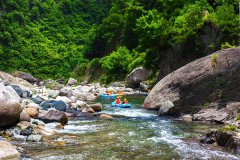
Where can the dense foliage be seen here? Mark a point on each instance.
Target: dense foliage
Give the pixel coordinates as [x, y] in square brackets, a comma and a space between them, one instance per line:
[58, 38]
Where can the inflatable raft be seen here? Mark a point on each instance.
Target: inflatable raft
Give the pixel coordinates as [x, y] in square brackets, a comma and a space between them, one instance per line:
[111, 96]
[121, 105]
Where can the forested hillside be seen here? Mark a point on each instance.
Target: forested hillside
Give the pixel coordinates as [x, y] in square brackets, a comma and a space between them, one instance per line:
[106, 39]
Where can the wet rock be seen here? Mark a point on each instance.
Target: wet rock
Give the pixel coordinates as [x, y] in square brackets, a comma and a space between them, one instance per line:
[144, 87]
[186, 118]
[10, 107]
[8, 151]
[80, 114]
[210, 137]
[37, 99]
[26, 76]
[59, 126]
[90, 110]
[58, 105]
[54, 116]
[26, 132]
[71, 81]
[23, 125]
[43, 130]
[96, 107]
[105, 116]
[198, 82]
[138, 75]
[71, 110]
[211, 115]
[24, 116]
[222, 138]
[35, 138]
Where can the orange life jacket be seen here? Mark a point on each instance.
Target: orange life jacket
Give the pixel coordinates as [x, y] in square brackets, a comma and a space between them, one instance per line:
[125, 102]
[118, 101]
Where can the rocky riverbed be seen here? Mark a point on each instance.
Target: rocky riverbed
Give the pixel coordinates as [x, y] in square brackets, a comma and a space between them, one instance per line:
[52, 120]
[26, 108]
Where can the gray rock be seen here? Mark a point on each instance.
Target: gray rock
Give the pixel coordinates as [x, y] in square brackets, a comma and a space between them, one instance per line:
[82, 115]
[211, 115]
[53, 93]
[54, 116]
[57, 104]
[96, 107]
[5, 77]
[138, 75]
[144, 87]
[26, 76]
[71, 81]
[198, 82]
[66, 91]
[8, 151]
[22, 93]
[35, 138]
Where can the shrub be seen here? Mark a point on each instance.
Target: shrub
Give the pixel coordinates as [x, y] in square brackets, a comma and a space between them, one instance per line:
[214, 58]
[116, 64]
[230, 127]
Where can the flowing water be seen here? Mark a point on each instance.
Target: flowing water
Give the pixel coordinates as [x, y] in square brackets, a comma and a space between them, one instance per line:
[133, 134]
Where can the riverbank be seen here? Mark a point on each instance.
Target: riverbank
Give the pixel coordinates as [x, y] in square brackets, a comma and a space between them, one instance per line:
[70, 121]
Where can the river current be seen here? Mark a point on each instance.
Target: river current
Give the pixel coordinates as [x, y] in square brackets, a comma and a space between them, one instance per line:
[133, 134]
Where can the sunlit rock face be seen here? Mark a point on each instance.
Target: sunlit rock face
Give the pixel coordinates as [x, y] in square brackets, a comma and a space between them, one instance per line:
[208, 79]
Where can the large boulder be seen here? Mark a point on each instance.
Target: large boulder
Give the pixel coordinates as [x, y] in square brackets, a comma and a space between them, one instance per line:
[14, 80]
[8, 151]
[202, 81]
[138, 75]
[10, 107]
[26, 76]
[54, 116]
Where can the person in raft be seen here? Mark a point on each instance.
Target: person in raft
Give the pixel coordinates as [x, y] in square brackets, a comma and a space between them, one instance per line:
[109, 92]
[118, 100]
[125, 101]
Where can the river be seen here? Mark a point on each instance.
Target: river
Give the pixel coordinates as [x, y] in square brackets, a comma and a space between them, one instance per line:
[133, 134]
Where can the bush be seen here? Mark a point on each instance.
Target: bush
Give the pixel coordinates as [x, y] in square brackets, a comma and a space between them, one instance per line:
[116, 64]
[230, 127]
